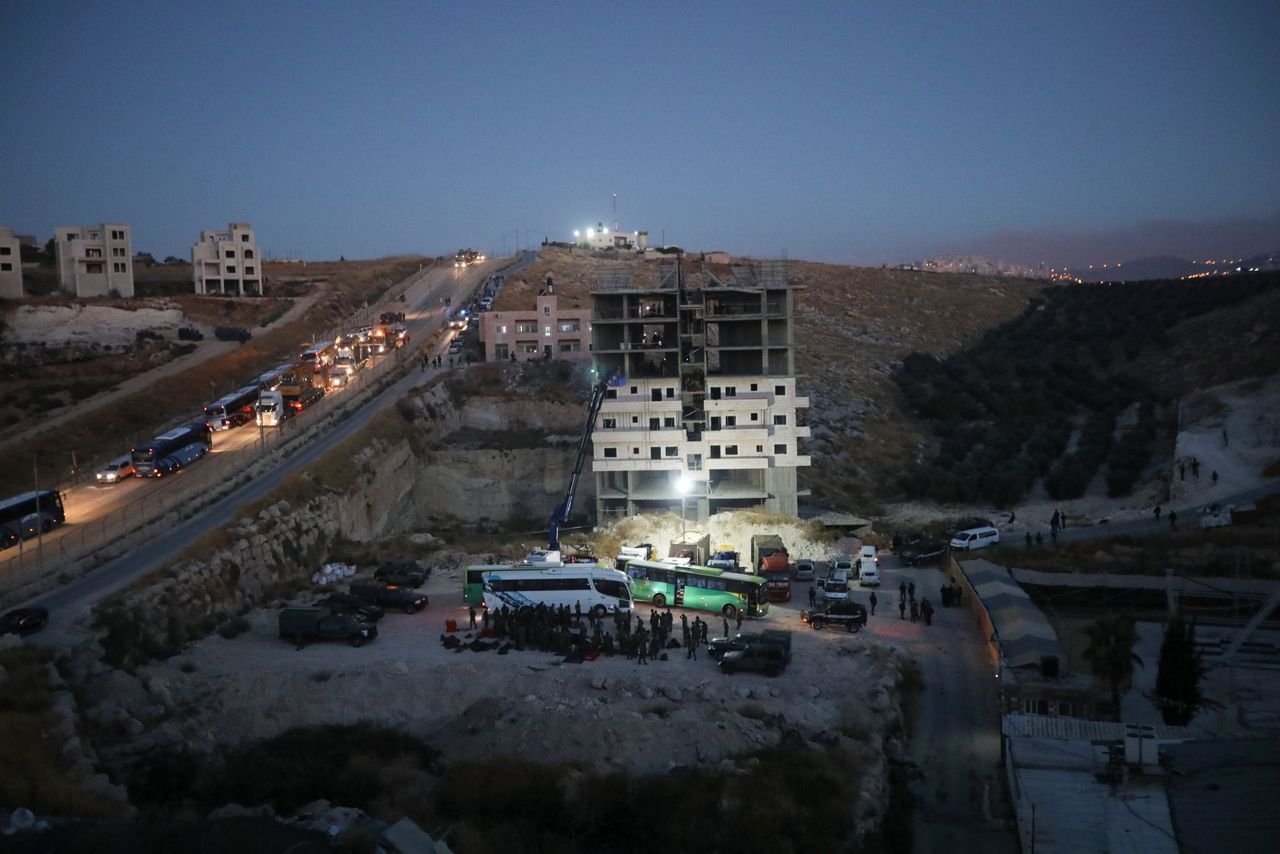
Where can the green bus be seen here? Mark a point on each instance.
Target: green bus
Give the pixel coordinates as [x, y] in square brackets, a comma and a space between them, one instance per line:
[702, 587]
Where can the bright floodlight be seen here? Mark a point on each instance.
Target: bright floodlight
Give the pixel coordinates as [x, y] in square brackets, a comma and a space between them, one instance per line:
[684, 483]
[575, 232]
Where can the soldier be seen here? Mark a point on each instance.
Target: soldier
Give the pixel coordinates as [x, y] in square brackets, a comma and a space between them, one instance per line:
[813, 596]
[872, 602]
[726, 626]
[739, 619]
[902, 608]
[473, 617]
[911, 591]
[642, 647]
[915, 611]
[927, 610]
[684, 628]
[902, 591]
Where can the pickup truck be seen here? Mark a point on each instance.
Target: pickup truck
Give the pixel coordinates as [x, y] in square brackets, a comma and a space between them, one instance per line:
[769, 657]
[304, 624]
[390, 596]
[921, 552]
[401, 572]
[345, 603]
[740, 641]
[851, 615]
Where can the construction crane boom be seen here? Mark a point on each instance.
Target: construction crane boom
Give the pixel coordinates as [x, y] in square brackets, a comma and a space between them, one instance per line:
[561, 514]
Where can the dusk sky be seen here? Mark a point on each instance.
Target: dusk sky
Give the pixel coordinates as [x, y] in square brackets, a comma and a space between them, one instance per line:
[847, 132]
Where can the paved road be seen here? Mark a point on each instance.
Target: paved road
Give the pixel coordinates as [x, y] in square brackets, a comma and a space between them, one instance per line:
[68, 603]
[956, 744]
[1188, 517]
[98, 511]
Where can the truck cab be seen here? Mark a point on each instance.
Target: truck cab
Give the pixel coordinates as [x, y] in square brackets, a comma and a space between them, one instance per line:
[271, 409]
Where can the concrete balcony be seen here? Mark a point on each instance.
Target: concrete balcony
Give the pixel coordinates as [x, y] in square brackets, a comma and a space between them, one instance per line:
[633, 405]
[741, 461]
[745, 401]
[665, 436]
[636, 464]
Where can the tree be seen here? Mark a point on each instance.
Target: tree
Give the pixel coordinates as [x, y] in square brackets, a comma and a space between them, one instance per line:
[1110, 654]
[1179, 674]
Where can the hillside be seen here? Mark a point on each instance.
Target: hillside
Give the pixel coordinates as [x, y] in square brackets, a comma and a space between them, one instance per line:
[1082, 385]
[852, 326]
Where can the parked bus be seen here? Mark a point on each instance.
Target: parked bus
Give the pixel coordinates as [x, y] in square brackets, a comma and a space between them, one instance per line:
[35, 511]
[701, 587]
[473, 576]
[319, 357]
[232, 410]
[147, 456]
[596, 589]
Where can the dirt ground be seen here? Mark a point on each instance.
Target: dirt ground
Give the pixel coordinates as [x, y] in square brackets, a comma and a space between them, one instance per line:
[612, 713]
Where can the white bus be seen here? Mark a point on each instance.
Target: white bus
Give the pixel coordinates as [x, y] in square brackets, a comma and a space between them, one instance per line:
[596, 589]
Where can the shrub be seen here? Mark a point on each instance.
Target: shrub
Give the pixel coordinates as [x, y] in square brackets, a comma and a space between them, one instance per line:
[190, 333]
[234, 627]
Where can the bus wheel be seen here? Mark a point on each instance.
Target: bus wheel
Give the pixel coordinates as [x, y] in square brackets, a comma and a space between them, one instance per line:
[599, 611]
[46, 526]
[729, 612]
[659, 599]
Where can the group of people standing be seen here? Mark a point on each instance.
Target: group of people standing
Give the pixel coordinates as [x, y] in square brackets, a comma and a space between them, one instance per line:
[568, 631]
[907, 601]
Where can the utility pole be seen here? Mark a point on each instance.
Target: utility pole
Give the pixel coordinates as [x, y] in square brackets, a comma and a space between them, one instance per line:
[35, 472]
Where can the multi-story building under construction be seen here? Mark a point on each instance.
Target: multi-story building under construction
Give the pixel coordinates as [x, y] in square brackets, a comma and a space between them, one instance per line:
[702, 415]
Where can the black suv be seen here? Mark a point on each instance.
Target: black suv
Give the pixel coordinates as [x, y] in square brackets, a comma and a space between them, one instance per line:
[851, 615]
[345, 603]
[390, 596]
[719, 646]
[922, 552]
[402, 573]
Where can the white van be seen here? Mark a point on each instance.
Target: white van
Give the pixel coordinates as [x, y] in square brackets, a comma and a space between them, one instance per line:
[836, 587]
[975, 538]
[868, 572]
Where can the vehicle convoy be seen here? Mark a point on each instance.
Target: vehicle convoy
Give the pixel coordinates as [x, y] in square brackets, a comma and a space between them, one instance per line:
[390, 596]
[294, 383]
[272, 409]
[851, 615]
[303, 624]
[310, 397]
[319, 357]
[146, 458]
[719, 646]
[231, 410]
[769, 656]
[179, 459]
[116, 470]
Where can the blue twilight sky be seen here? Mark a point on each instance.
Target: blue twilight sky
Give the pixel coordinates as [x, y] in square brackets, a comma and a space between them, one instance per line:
[862, 132]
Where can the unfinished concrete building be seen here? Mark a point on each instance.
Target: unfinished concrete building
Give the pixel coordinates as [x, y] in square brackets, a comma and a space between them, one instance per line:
[703, 415]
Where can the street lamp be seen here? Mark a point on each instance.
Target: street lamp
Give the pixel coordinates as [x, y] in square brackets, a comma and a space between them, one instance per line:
[684, 484]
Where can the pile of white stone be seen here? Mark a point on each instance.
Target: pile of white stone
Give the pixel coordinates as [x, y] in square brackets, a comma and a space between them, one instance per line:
[332, 573]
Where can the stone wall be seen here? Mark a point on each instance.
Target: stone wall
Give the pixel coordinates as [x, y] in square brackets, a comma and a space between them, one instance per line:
[397, 476]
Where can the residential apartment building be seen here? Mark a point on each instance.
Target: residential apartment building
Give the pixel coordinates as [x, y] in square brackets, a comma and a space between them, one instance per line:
[95, 260]
[703, 415]
[10, 265]
[227, 261]
[544, 332]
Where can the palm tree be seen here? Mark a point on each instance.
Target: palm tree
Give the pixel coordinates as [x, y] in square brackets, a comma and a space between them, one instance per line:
[1110, 654]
